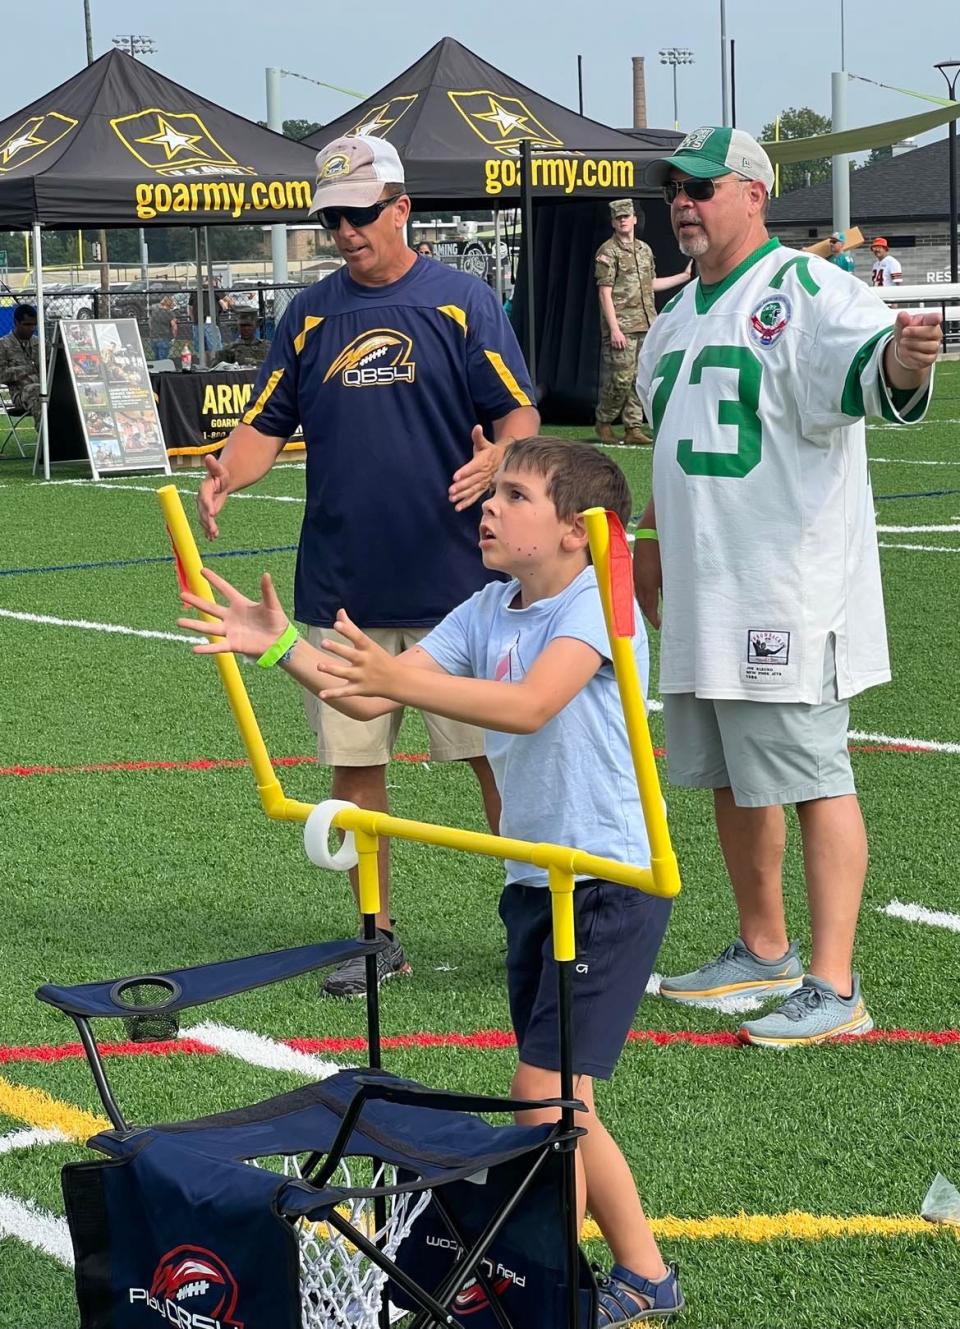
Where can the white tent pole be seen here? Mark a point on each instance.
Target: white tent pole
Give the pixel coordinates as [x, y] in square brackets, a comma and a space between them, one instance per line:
[43, 442]
[496, 249]
[278, 234]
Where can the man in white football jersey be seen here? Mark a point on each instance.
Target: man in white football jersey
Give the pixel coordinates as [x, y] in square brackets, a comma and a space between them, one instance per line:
[756, 379]
[886, 270]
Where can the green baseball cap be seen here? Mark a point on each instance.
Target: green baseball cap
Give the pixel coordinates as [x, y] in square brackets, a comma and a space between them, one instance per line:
[711, 151]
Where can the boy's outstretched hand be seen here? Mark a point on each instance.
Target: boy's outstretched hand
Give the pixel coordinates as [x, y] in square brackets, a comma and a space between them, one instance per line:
[243, 625]
[367, 670]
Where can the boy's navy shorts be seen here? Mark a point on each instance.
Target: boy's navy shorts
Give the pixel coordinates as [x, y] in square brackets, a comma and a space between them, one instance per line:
[618, 933]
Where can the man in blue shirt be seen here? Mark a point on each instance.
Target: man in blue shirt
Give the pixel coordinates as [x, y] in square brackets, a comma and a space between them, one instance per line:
[408, 382]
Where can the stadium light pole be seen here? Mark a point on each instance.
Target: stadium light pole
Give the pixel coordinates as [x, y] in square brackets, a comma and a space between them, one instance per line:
[673, 56]
[950, 69]
[136, 43]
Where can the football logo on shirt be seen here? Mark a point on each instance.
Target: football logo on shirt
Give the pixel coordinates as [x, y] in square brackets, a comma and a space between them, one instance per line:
[375, 359]
[769, 320]
[765, 646]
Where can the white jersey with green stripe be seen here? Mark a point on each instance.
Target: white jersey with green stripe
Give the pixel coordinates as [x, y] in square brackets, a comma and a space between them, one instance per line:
[757, 388]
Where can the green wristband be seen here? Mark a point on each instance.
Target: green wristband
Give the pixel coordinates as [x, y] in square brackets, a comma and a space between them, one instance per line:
[645, 533]
[280, 649]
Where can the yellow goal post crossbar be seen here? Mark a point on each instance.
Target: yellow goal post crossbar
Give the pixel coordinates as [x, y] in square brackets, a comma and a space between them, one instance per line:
[562, 863]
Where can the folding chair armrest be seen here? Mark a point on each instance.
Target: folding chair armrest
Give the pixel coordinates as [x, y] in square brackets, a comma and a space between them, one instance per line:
[410, 1095]
[202, 983]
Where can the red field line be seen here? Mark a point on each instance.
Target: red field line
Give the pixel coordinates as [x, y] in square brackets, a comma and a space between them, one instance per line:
[483, 1040]
[234, 763]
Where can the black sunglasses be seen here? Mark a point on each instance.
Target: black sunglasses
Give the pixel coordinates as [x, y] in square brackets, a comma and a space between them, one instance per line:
[698, 191]
[329, 218]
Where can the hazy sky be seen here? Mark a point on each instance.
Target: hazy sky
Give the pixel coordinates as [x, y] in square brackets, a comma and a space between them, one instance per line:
[784, 57]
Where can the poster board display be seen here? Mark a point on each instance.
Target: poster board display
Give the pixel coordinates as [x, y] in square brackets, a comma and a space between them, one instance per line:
[102, 407]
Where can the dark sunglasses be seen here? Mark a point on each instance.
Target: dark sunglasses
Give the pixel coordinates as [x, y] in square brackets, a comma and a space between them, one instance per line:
[329, 218]
[698, 191]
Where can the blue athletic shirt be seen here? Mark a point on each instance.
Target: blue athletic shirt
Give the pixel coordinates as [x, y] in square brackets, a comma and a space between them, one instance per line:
[572, 781]
[388, 382]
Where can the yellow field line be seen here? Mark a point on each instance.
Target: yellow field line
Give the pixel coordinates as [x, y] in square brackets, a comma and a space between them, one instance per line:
[792, 1226]
[37, 1108]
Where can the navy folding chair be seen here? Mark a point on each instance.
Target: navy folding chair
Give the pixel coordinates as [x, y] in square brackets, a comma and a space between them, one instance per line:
[339, 1205]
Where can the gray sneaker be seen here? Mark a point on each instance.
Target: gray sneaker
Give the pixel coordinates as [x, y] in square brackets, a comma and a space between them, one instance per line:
[815, 1013]
[736, 972]
[350, 978]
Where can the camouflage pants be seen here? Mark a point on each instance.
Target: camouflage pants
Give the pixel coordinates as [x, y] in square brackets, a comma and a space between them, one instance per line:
[618, 382]
[26, 399]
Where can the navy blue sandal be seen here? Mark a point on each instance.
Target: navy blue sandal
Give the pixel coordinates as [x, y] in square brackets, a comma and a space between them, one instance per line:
[628, 1298]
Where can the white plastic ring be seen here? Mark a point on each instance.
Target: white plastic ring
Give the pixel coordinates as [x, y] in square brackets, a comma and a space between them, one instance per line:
[316, 838]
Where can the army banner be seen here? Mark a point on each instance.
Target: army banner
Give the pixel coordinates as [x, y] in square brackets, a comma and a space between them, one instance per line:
[101, 403]
[458, 124]
[121, 145]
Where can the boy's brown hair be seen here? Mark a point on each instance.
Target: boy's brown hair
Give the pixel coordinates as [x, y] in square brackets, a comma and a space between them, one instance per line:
[578, 475]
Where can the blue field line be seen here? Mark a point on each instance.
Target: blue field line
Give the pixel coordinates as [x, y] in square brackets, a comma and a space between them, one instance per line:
[134, 562]
[927, 493]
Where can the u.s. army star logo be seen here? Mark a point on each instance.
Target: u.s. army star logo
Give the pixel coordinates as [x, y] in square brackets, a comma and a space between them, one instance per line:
[502, 122]
[175, 143]
[379, 120]
[31, 138]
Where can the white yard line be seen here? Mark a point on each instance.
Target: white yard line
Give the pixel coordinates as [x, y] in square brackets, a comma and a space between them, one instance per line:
[35, 1226]
[919, 744]
[909, 461]
[919, 530]
[256, 1050]
[26, 1139]
[923, 549]
[88, 626]
[917, 913]
[101, 487]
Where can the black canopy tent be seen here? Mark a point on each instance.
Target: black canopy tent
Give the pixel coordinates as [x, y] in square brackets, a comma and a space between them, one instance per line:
[458, 124]
[121, 145]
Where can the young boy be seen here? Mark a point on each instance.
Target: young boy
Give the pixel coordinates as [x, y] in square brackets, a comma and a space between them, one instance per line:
[528, 660]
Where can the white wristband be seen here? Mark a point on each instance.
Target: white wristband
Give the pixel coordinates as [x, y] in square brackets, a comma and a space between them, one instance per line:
[896, 355]
[316, 833]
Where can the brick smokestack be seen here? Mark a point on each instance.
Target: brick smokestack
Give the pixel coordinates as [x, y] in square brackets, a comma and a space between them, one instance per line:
[639, 94]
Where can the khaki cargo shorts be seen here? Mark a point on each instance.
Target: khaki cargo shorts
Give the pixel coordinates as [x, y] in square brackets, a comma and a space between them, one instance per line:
[345, 742]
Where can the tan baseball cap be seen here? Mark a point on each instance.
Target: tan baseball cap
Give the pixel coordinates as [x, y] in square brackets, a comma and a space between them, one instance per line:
[351, 172]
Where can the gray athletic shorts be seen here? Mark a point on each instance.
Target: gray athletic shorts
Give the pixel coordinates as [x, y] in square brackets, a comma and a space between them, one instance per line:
[766, 752]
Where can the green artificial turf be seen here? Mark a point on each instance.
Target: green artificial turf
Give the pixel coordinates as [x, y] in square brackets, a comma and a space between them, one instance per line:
[109, 872]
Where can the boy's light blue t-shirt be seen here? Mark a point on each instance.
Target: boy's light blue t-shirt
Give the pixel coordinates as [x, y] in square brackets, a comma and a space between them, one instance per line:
[571, 782]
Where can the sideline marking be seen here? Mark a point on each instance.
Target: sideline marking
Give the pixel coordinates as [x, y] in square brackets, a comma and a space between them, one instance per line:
[37, 1108]
[50, 1235]
[101, 488]
[27, 1139]
[88, 626]
[140, 562]
[919, 530]
[924, 549]
[792, 1226]
[482, 1040]
[909, 461]
[258, 1050]
[904, 744]
[36, 1227]
[916, 913]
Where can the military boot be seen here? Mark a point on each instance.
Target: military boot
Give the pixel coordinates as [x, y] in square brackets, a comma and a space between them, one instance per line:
[637, 436]
[605, 433]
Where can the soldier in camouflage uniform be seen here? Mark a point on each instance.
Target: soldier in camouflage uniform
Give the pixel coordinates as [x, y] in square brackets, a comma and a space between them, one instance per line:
[248, 350]
[626, 280]
[20, 362]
